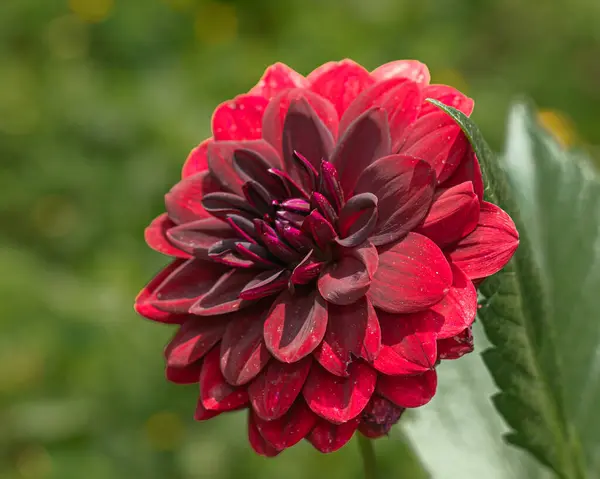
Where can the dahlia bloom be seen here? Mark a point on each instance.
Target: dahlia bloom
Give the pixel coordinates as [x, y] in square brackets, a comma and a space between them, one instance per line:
[325, 243]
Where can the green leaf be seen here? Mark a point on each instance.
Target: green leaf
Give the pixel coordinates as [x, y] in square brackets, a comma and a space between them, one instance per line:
[541, 312]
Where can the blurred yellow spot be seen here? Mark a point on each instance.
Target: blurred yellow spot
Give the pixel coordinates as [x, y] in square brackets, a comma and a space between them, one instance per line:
[560, 125]
[216, 23]
[26, 368]
[179, 4]
[19, 111]
[164, 430]
[34, 462]
[67, 37]
[54, 216]
[453, 78]
[92, 11]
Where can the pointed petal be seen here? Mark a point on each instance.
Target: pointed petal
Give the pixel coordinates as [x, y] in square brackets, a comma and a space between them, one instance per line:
[277, 78]
[357, 220]
[186, 375]
[296, 324]
[184, 201]
[156, 237]
[468, 170]
[198, 236]
[321, 230]
[193, 340]
[307, 270]
[408, 391]
[456, 346]
[265, 284]
[327, 437]
[197, 160]
[411, 69]
[224, 296]
[274, 391]
[408, 343]
[404, 187]
[340, 83]
[243, 350]
[240, 118]
[215, 393]
[352, 332]
[453, 215]
[448, 96]
[257, 441]
[203, 414]
[222, 205]
[378, 417]
[339, 399]
[365, 141]
[288, 430]
[487, 249]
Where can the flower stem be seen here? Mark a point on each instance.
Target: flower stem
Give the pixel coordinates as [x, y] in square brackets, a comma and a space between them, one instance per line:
[368, 456]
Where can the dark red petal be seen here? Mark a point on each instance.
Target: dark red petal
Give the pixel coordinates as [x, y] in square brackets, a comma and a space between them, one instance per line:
[487, 249]
[408, 391]
[378, 417]
[404, 187]
[468, 170]
[203, 414]
[198, 236]
[327, 437]
[340, 83]
[257, 441]
[453, 215]
[215, 393]
[276, 78]
[221, 160]
[448, 96]
[307, 270]
[184, 201]
[366, 140]
[436, 139]
[278, 107]
[321, 230]
[265, 284]
[296, 324]
[240, 118]
[408, 343]
[357, 220]
[186, 285]
[403, 105]
[193, 340]
[186, 375]
[459, 306]
[412, 275]
[224, 296]
[146, 308]
[243, 350]
[222, 205]
[352, 332]
[288, 430]
[197, 160]
[411, 69]
[339, 399]
[156, 237]
[274, 391]
[456, 346]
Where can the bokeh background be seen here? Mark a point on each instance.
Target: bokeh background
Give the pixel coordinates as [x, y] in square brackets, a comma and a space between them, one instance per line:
[100, 102]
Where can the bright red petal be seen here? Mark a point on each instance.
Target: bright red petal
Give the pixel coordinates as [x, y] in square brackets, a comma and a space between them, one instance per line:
[487, 249]
[276, 78]
[197, 160]
[203, 414]
[274, 391]
[340, 83]
[339, 399]
[257, 441]
[408, 391]
[240, 118]
[403, 105]
[448, 96]
[215, 393]
[288, 430]
[412, 275]
[296, 324]
[186, 375]
[156, 237]
[468, 170]
[193, 340]
[184, 201]
[411, 69]
[327, 437]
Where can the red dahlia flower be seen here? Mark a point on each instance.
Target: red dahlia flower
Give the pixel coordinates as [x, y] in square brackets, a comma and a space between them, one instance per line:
[326, 240]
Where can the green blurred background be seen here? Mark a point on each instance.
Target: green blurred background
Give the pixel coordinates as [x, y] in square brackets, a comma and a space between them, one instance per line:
[100, 102]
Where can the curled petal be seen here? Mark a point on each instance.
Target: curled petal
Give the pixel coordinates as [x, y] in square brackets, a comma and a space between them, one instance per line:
[198, 236]
[412, 275]
[274, 390]
[185, 375]
[327, 437]
[260, 445]
[193, 340]
[295, 324]
[217, 394]
[408, 391]
[184, 201]
[339, 399]
[357, 220]
[265, 284]
[197, 160]
[156, 237]
[277, 78]
[240, 118]
[222, 205]
[290, 428]
[378, 417]
[448, 96]
[456, 346]
[489, 247]
[224, 296]
[411, 69]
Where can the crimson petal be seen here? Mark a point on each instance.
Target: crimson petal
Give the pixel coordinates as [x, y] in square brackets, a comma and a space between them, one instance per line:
[193, 340]
[203, 414]
[198, 236]
[357, 219]
[404, 187]
[339, 399]
[408, 391]
[265, 284]
[186, 375]
[156, 237]
[448, 96]
[487, 249]
[321, 230]
[224, 296]
[217, 394]
[352, 332]
[240, 118]
[403, 105]
[184, 201]
[295, 324]
[411, 69]
[197, 160]
[453, 215]
[257, 441]
[468, 170]
[412, 275]
[274, 391]
[326, 437]
[290, 428]
[276, 78]
[456, 346]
